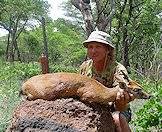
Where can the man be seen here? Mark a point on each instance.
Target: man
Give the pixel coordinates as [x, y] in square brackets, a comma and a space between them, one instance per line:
[102, 67]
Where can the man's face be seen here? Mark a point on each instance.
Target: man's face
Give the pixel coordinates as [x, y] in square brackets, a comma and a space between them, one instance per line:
[97, 51]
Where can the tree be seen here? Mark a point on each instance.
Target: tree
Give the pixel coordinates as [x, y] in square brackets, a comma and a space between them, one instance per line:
[14, 19]
[104, 12]
[129, 22]
[64, 43]
[85, 9]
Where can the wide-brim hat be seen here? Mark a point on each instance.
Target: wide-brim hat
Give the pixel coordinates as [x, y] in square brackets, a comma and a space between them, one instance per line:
[99, 36]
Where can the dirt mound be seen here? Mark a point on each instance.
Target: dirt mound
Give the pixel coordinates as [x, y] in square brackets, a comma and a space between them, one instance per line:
[61, 115]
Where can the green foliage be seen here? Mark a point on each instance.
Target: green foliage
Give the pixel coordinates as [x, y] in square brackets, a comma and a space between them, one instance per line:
[62, 68]
[31, 42]
[9, 98]
[2, 46]
[66, 52]
[30, 47]
[64, 43]
[15, 19]
[145, 31]
[136, 26]
[23, 9]
[21, 70]
[67, 42]
[65, 47]
[149, 117]
[63, 51]
[12, 76]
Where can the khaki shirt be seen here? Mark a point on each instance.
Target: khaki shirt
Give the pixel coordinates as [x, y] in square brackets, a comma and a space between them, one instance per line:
[107, 77]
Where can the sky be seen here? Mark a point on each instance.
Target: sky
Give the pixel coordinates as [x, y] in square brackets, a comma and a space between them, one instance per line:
[55, 12]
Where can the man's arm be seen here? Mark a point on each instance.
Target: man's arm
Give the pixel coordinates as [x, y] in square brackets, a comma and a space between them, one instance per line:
[123, 97]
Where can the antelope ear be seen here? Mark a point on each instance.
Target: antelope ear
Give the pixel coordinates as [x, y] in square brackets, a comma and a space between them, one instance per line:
[122, 85]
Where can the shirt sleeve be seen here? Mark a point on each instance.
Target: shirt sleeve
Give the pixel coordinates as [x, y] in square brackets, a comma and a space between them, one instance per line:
[121, 75]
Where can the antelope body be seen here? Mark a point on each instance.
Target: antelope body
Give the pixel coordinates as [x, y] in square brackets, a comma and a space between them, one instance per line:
[63, 85]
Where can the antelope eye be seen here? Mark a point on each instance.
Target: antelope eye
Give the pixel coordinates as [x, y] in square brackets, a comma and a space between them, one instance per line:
[137, 90]
[122, 85]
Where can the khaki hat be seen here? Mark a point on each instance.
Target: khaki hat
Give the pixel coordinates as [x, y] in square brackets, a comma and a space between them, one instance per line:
[99, 36]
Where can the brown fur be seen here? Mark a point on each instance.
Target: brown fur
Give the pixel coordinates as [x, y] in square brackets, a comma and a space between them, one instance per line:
[63, 85]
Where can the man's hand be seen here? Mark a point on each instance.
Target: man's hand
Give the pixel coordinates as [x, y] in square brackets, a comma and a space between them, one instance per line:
[122, 100]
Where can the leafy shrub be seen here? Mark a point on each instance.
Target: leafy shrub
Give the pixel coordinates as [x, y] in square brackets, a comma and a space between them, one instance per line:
[149, 117]
[65, 50]
[17, 69]
[11, 77]
[9, 98]
[62, 68]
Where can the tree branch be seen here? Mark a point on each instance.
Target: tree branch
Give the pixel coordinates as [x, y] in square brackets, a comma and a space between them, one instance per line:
[5, 27]
[21, 29]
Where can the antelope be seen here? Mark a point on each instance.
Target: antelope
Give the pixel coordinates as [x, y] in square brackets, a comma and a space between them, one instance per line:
[52, 86]
[132, 87]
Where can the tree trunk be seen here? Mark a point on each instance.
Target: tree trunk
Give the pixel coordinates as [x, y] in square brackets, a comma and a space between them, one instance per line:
[17, 49]
[8, 54]
[125, 52]
[104, 17]
[12, 47]
[45, 63]
[8, 45]
[85, 9]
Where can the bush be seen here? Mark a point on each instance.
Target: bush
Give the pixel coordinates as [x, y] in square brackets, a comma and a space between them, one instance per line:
[62, 68]
[149, 117]
[11, 77]
[17, 69]
[9, 98]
